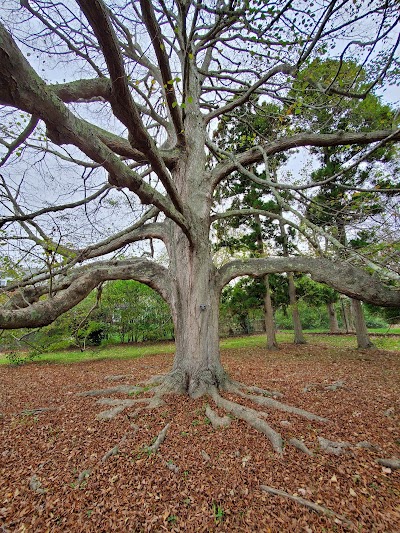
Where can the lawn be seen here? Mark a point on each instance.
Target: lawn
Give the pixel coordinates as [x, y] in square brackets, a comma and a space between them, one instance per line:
[382, 341]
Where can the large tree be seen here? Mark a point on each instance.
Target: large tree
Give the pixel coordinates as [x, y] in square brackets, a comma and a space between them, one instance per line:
[123, 97]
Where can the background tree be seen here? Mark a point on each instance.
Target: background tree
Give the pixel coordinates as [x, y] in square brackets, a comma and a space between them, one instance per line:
[317, 294]
[260, 235]
[145, 85]
[343, 205]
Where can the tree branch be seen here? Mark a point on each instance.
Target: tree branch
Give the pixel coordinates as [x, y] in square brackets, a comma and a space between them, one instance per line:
[254, 155]
[343, 277]
[21, 87]
[159, 48]
[279, 69]
[44, 312]
[121, 99]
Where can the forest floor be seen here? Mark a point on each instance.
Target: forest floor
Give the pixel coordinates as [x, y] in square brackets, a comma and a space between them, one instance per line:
[61, 469]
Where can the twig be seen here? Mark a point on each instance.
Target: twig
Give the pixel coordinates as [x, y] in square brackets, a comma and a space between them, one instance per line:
[307, 503]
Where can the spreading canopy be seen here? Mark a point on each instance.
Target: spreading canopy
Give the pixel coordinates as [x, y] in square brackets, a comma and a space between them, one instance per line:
[108, 115]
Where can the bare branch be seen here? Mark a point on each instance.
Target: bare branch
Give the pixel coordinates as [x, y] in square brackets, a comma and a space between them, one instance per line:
[121, 100]
[254, 155]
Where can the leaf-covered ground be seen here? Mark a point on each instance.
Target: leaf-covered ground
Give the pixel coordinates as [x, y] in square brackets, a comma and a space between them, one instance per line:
[56, 474]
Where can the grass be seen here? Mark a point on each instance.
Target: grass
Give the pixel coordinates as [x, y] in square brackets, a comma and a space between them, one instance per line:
[135, 351]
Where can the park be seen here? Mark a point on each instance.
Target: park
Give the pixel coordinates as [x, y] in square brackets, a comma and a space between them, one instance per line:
[181, 183]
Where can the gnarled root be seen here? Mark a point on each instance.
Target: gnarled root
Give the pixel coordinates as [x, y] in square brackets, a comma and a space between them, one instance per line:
[208, 384]
[250, 416]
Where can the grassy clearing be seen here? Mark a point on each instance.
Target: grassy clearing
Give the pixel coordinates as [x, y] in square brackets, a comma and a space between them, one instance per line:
[107, 352]
[256, 341]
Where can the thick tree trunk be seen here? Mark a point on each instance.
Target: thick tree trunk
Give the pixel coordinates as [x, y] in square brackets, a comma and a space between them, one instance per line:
[333, 321]
[363, 340]
[298, 330]
[194, 296]
[272, 343]
[195, 309]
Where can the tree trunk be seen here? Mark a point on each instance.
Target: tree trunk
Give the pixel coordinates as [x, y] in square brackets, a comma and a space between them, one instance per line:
[298, 330]
[363, 340]
[195, 309]
[333, 321]
[272, 343]
[345, 311]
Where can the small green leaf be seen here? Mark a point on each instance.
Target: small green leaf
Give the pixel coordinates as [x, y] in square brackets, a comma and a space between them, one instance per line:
[174, 104]
[189, 99]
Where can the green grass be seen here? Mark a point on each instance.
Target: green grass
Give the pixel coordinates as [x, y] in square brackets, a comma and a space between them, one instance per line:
[140, 350]
[95, 354]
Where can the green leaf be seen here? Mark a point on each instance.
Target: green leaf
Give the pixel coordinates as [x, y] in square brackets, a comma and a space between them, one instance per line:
[174, 104]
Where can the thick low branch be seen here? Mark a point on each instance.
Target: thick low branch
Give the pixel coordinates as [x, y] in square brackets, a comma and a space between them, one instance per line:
[44, 312]
[343, 277]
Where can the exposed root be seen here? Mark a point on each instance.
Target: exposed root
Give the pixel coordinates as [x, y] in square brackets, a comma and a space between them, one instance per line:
[113, 451]
[274, 404]
[335, 448]
[36, 485]
[251, 388]
[217, 421]
[250, 416]
[83, 476]
[307, 503]
[205, 456]
[330, 387]
[300, 446]
[172, 466]
[110, 413]
[204, 383]
[159, 440]
[394, 464]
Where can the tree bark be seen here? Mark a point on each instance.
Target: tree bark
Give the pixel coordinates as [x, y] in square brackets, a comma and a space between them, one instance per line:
[333, 321]
[298, 330]
[272, 343]
[345, 311]
[195, 311]
[363, 340]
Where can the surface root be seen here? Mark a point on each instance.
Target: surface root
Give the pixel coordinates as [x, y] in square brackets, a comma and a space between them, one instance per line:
[216, 420]
[250, 416]
[274, 404]
[159, 440]
[307, 503]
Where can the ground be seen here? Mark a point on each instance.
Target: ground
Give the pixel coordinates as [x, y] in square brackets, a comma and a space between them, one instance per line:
[60, 470]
